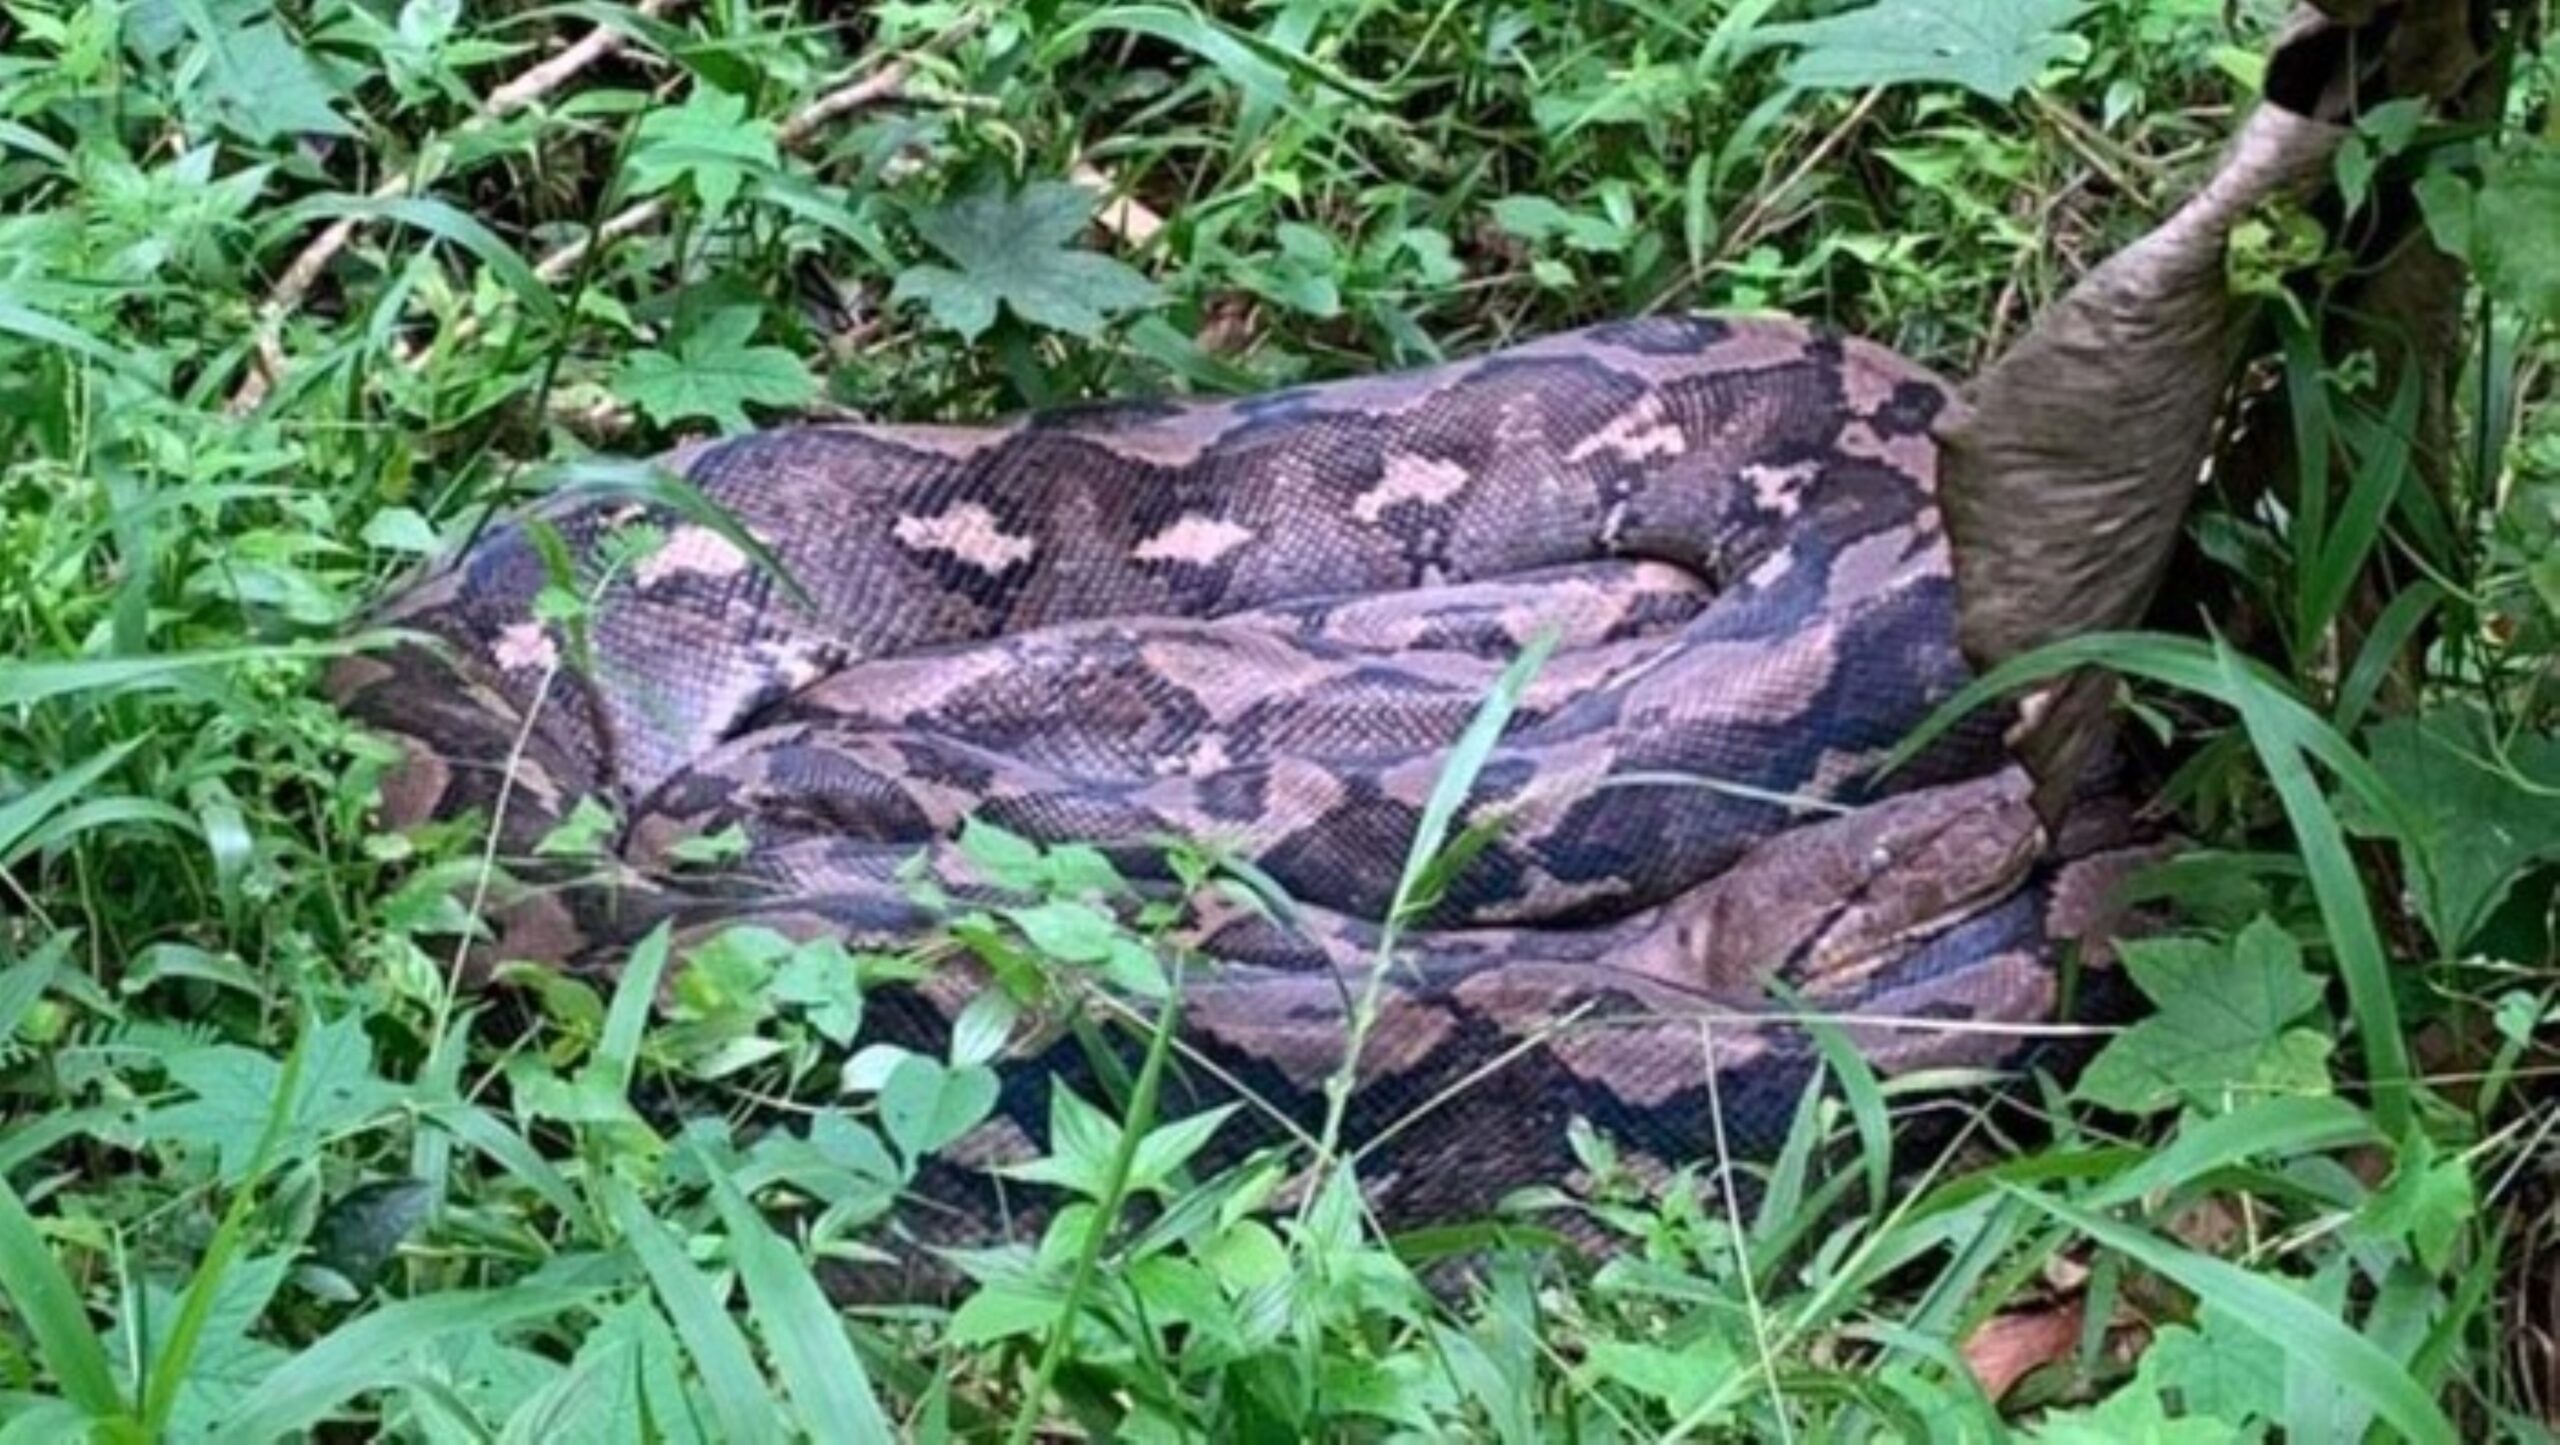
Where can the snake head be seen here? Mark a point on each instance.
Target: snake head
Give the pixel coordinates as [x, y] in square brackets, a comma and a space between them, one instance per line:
[1845, 895]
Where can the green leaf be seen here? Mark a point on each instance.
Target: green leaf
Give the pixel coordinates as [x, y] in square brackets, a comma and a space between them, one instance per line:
[924, 1106]
[2221, 1025]
[2516, 229]
[824, 982]
[710, 141]
[45, 1302]
[714, 373]
[2219, 1369]
[2478, 819]
[34, 325]
[22, 814]
[998, 1312]
[235, 1091]
[1083, 1140]
[1995, 48]
[443, 222]
[374, 1350]
[261, 86]
[1682, 1380]
[1068, 931]
[740, 1403]
[2130, 1417]
[227, 1360]
[2269, 1308]
[801, 1331]
[1016, 251]
[2427, 1202]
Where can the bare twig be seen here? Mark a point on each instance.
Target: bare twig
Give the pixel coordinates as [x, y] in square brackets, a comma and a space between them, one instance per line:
[304, 271]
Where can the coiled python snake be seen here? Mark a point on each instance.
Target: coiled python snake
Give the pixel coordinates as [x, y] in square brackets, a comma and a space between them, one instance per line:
[1261, 624]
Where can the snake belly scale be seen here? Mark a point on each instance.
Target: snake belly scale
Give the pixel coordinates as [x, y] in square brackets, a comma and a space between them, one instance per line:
[1260, 624]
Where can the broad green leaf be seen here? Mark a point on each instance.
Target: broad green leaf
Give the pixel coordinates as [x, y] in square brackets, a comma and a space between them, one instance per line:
[924, 1105]
[997, 1312]
[2130, 1417]
[824, 982]
[710, 141]
[235, 1090]
[714, 373]
[260, 85]
[2222, 1025]
[2506, 224]
[1682, 1380]
[1017, 251]
[1995, 48]
[2481, 815]
[1068, 931]
[2427, 1202]
[227, 1360]
[2218, 1369]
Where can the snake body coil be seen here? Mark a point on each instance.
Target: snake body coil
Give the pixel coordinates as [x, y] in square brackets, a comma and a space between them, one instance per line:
[1261, 625]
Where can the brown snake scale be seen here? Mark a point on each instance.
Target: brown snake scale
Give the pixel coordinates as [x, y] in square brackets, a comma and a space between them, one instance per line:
[1260, 625]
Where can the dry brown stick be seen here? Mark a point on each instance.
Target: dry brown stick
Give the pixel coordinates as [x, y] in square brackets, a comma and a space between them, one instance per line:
[304, 271]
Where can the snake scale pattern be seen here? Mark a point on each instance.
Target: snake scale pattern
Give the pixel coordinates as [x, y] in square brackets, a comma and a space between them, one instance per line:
[1260, 625]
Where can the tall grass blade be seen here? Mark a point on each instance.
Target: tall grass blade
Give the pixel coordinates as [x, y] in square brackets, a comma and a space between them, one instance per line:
[375, 1350]
[23, 814]
[801, 1331]
[742, 1407]
[45, 1301]
[2307, 1333]
[2278, 738]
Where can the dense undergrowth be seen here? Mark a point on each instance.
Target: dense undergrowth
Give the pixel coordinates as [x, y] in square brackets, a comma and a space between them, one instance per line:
[290, 295]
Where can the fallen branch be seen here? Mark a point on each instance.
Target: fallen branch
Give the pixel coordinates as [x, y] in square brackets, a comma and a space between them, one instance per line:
[304, 271]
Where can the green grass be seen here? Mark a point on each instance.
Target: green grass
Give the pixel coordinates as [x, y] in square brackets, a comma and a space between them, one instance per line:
[264, 1171]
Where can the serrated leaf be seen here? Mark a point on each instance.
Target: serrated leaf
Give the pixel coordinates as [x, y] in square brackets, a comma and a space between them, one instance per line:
[261, 85]
[714, 373]
[1680, 1379]
[709, 141]
[2222, 1024]
[2427, 1202]
[228, 1359]
[2473, 828]
[1015, 252]
[1994, 48]
[236, 1089]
